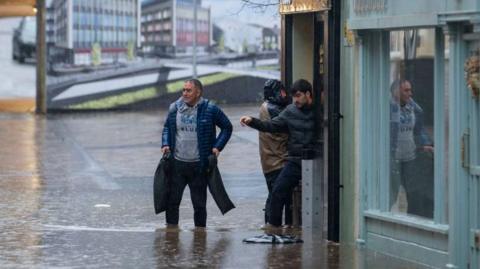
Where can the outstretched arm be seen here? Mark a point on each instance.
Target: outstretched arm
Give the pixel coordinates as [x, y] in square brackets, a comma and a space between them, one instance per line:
[275, 125]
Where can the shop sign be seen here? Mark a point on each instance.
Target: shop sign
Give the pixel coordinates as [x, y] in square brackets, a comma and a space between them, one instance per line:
[302, 6]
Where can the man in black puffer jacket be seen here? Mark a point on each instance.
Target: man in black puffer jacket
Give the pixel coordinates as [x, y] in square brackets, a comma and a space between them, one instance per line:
[298, 121]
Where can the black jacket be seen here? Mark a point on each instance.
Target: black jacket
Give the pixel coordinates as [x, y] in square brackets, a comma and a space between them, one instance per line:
[298, 123]
[162, 179]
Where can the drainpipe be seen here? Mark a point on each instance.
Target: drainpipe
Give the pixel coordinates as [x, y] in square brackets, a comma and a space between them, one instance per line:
[41, 98]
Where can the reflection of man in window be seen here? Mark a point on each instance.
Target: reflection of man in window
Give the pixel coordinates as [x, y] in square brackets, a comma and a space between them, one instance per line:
[409, 146]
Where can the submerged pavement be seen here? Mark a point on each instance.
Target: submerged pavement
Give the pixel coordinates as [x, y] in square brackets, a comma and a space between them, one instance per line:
[76, 192]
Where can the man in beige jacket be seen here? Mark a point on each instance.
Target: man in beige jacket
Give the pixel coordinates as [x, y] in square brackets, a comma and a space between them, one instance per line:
[273, 146]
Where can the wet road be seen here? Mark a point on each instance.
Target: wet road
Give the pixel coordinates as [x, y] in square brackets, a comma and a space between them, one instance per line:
[76, 192]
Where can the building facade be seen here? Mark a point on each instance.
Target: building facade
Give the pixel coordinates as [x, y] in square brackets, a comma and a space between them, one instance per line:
[50, 26]
[97, 32]
[402, 175]
[167, 27]
[271, 38]
[239, 37]
[236, 36]
[435, 48]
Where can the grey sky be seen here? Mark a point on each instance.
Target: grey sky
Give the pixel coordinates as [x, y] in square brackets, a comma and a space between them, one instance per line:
[233, 8]
[222, 9]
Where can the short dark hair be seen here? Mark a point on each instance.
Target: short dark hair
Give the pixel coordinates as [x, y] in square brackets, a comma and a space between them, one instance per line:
[301, 85]
[397, 84]
[195, 83]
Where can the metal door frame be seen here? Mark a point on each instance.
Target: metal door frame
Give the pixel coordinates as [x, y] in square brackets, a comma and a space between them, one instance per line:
[326, 79]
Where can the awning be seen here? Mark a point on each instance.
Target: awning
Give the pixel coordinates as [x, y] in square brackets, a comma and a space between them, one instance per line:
[17, 8]
[303, 6]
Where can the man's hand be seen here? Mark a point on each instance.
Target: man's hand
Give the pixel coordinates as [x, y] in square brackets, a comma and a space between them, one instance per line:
[165, 149]
[245, 120]
[216, 152]
[428, 148]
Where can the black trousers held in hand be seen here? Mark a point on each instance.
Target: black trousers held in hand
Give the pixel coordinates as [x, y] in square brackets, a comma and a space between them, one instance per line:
[282, 190]
[188, 173]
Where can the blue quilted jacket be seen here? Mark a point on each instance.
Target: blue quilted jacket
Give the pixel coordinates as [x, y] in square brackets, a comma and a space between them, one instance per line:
[209, 116]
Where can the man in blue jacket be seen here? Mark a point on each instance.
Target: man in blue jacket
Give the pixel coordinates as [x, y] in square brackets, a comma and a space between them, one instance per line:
[189, 134]
[409, 142]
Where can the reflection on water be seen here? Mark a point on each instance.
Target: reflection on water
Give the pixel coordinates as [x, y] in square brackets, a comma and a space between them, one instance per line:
[225, 249]
[284, 256]
[20, 189]
[175, 248]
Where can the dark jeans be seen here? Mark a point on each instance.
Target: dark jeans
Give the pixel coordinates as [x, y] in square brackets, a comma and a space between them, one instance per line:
[416, 177]
[188, 173]
[270, 179]
[282, 190]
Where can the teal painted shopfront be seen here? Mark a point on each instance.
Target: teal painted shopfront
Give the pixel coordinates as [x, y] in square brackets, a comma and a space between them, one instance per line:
[415, 82]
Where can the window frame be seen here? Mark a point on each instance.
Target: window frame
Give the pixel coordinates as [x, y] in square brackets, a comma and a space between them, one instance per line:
[374, 166]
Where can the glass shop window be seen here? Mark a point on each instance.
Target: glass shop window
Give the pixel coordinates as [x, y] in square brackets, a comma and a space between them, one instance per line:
[412, 54]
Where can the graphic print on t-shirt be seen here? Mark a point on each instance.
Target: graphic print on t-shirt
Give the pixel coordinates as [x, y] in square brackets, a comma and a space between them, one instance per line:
[186, 148]
[406, 143]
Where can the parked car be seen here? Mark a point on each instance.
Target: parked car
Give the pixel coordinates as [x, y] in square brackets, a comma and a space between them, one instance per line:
[24, 39]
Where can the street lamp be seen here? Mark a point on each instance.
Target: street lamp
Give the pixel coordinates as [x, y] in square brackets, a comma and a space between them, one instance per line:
[194, 39]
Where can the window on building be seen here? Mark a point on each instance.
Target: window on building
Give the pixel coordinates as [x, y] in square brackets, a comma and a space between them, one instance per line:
[412, 96]
[189, 25]
[404, 126]
[167, 25]
[166, 13]
[76, 34]
[167, 38]
[179, 24]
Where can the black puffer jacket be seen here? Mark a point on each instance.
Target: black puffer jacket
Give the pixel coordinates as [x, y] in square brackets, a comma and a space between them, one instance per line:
[298, 123]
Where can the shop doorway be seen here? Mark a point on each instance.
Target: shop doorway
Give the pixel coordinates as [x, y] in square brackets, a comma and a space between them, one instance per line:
[311, 52]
